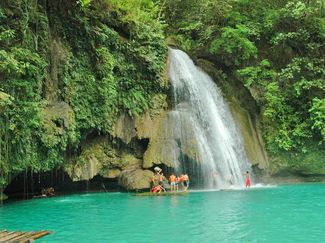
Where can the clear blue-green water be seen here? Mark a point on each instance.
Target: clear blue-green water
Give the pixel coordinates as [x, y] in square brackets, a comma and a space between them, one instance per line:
[288, 213]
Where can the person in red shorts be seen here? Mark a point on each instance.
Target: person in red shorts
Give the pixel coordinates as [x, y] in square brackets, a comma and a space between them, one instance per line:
[248, 179]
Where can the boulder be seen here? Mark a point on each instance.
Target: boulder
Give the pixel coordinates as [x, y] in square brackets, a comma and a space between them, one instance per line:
[135, 179]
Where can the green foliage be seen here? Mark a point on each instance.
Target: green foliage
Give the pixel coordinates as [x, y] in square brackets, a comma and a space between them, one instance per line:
[22, 72]
[68, 69]
[310, 162]
[317, 112]
[234, 42]
[71, 69]
[286, 98]
[84, 3]
[193, 24]
[276, 48]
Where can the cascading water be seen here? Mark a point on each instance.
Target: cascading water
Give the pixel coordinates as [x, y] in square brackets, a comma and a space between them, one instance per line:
[203, 128]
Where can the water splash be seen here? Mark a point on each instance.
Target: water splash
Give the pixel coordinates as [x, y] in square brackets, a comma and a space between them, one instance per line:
[209, 144]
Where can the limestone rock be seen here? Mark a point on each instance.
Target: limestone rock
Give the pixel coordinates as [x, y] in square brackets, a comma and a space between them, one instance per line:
[125, 128]
[252, 138]
[142, 126]
[57, 111]
[58, 121]
[99, 158]
[3, 197]
[59, 53]
[135, 179]
[110, 173]
[156, 153]
[84, 171]
[153, 125]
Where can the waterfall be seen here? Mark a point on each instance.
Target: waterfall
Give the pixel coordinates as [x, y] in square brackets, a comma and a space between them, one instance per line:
[209, 144]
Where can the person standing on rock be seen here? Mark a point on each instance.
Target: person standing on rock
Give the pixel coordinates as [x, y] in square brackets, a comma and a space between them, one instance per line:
[172, 180]
[161, 181]
[177, 182]
[186, 182]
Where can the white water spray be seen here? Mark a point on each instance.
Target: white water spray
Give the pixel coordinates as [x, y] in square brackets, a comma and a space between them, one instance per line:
[203, 127]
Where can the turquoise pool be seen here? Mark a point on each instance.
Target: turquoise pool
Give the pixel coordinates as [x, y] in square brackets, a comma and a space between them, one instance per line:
[286, 213]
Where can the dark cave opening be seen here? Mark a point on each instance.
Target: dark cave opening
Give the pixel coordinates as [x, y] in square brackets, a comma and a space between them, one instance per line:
[29, 184]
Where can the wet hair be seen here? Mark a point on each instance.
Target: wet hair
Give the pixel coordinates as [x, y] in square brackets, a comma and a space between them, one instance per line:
[247, 172]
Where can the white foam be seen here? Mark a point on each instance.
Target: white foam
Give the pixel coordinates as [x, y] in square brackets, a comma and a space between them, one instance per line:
[235, 188]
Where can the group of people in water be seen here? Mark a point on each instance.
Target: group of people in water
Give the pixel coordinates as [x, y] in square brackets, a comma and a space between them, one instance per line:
[158, 181]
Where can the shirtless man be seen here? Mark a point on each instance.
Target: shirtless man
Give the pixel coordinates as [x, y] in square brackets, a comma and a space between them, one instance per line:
[248, 179]
[172, 180]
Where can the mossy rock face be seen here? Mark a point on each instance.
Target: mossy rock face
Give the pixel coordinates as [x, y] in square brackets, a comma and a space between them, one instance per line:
[152, 126]
[309, 163]
[171, 41]
[165, 148]
[249, 128]
[135, 179]
[161, 144]
[59, 112]
[125, 128]
[59, 53]
[58, 121]
[98, 157]
[142, 126]
[158, 105]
